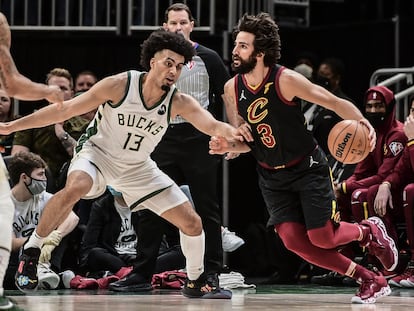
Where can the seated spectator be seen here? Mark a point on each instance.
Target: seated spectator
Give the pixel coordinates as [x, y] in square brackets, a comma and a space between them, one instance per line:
[83, 82]
[27, 174]
[389, 197]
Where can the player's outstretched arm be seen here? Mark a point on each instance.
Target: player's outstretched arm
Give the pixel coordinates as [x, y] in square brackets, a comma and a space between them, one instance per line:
[15, 84]
[108, 89]
[187, 107]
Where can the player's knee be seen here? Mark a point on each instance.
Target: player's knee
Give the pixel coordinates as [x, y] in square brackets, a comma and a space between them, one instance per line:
[322, 237]
[289, 239]
[193, 225]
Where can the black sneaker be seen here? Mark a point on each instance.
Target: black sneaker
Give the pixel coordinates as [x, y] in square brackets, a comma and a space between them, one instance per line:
[203, 288]
[26, 274]
[213, 280]
[197, 288]
[132, 282]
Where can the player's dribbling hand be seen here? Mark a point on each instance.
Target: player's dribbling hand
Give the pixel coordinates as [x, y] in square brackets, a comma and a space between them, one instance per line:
[55, 96]
[372, 135]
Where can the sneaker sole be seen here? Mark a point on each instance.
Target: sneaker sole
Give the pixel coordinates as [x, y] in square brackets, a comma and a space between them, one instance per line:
[381, 226]
[393, 283]
[132, 288]
[407, 283]
[385, 291]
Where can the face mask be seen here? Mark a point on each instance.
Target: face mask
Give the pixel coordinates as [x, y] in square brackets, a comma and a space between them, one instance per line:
[322, 81]
[376, 119]
[36, 186]
[114, 192]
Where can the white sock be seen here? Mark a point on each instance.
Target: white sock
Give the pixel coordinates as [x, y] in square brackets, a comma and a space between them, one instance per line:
[1, 291]
[193, 249]
[35, 241]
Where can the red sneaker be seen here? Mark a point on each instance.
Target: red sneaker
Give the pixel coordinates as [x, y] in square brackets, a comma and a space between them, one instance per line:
[380, 243]
[104, 282]
[371, 289]
[81, 282]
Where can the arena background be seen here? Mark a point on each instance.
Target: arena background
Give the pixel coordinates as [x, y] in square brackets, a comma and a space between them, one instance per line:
[361, 33]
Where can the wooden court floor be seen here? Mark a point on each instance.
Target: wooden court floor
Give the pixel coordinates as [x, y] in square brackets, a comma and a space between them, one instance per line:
[264, 297]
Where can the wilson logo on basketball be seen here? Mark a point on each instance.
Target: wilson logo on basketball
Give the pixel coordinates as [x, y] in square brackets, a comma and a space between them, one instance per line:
[341, 147]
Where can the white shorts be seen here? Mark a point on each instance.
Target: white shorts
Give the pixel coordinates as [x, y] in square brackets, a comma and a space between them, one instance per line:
[143, 185]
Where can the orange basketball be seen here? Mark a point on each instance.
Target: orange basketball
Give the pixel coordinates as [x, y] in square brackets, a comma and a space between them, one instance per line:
[348, 141]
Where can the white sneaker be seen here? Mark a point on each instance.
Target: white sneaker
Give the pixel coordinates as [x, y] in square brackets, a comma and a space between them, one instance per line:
[230, 240]
[47, 278]
[66, 277]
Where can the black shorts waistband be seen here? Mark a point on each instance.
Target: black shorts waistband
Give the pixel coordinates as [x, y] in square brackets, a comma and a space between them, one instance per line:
[289, 164]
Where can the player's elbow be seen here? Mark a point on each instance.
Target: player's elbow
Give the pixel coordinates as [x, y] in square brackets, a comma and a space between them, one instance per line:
[11, 87]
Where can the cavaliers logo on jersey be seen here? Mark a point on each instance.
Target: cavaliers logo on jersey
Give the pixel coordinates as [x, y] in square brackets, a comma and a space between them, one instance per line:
[257, 110]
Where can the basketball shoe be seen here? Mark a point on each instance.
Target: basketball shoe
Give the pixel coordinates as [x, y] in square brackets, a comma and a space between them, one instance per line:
[48, 279]
[8, 304]
[371, 289]
[202, 288]
[379, 243]
[230, 240]
[26, 274]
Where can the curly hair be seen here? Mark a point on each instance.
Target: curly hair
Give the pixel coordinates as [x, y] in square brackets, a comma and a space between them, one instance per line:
[24, 162]
[266, 33]
[163, 40]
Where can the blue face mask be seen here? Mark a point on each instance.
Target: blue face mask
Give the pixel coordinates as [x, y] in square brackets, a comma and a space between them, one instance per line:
[114, 192]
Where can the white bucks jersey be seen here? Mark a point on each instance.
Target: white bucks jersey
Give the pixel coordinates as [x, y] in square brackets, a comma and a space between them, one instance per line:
[27, 214]
[128, 131]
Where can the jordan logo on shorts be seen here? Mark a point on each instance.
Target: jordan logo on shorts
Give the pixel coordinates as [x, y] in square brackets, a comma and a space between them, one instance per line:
[312, 161]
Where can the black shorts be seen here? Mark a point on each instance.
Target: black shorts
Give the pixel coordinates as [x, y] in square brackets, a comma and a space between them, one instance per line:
[302, 193]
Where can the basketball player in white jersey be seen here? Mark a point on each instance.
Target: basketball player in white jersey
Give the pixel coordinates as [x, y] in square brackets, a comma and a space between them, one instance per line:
[134, 111]
[20, 87]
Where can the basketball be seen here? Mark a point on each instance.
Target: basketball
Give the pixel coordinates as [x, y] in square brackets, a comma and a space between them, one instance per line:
[348, 141]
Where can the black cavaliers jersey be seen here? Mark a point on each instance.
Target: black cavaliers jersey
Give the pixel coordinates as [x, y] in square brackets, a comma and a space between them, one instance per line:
[278, 126]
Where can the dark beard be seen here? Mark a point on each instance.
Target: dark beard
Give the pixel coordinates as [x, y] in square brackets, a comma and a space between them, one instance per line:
[165, 88]
[245, 66]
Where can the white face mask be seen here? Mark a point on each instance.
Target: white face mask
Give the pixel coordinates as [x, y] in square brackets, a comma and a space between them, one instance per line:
[36, 186]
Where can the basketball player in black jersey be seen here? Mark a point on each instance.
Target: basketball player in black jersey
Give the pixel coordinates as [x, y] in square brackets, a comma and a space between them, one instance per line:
[294, 176]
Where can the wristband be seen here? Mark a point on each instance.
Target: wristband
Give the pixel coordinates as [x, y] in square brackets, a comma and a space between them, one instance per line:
[386, 183]
[410, 142]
